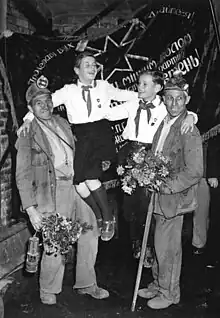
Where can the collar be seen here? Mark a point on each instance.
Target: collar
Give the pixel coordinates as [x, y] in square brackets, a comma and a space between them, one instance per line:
[179, 118]
[170, 121]
[80, 84]
[156, 101]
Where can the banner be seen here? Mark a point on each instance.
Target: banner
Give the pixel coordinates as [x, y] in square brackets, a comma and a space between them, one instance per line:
[164, 36]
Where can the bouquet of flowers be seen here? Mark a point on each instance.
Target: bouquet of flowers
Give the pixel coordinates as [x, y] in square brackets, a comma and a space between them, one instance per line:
[60, 233]
[146, 169]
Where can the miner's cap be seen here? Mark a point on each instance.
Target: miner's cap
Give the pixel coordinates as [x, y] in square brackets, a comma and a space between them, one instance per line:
[37, 88]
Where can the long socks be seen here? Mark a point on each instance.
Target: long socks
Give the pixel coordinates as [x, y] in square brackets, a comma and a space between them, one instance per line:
[94, 206]
[101, 199]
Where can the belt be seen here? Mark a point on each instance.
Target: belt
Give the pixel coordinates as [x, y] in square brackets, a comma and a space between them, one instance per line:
[64, 178]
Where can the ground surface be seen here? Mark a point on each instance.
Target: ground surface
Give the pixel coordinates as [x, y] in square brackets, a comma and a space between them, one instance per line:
[116, 271]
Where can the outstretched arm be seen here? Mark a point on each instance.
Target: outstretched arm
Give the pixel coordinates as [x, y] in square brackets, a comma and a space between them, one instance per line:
[118, 112]
[121, 94]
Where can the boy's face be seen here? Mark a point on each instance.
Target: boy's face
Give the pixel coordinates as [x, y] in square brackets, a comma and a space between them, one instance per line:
[147, 89]
[42, 106]
[175, 102]
[87, 70]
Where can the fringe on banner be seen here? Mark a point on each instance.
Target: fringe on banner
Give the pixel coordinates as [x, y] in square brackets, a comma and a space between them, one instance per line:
[211, 133]
[8, 93]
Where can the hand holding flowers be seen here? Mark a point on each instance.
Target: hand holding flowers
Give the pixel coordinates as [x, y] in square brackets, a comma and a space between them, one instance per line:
[60, 233]
[145, 169]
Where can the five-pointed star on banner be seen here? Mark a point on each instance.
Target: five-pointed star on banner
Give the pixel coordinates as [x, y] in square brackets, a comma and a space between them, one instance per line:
[115, 56]
[111, 56]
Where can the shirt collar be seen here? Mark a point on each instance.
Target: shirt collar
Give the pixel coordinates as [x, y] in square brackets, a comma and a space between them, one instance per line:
[170, 121]
[156, 101]
[80, 84]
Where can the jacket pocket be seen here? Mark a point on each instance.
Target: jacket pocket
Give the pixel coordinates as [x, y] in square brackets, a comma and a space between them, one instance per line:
[39, 158]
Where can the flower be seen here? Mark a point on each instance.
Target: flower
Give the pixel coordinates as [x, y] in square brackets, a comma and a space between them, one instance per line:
[120, 170]
[60, 233]
[145, 169]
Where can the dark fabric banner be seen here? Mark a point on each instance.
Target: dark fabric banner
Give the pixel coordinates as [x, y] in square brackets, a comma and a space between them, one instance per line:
[165, 36]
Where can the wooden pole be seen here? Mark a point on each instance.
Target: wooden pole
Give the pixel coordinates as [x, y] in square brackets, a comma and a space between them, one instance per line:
[3, 16]
[215, 22]
[143, 250]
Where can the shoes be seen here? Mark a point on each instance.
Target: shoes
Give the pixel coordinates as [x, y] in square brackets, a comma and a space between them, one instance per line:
[48, 299]
[160, 302]
[94, 291]
[149, 257]
[198, 250]
[108, 230]
[149, 292]
[149, 254]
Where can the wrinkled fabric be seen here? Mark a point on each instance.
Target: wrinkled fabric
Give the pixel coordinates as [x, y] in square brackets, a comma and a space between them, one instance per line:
[167, 265]
[201, 215]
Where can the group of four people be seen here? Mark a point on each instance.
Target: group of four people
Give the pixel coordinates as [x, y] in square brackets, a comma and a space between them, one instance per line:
[57, 172]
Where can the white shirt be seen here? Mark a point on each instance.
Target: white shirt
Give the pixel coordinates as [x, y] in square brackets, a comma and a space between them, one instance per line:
[61, 151]
[101, 95]
[146, 130]
[167, 123]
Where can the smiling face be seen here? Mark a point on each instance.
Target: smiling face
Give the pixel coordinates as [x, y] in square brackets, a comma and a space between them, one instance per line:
[41, 106]
[175, 101]
[87, 70]
[147, 89]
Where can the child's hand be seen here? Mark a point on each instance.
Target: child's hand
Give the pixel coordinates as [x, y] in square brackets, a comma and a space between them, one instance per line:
[213, 182]
[187, 124]
[24, 129]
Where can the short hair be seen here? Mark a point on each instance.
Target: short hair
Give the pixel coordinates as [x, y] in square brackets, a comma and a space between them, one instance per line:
[157, 77]
[81, 56]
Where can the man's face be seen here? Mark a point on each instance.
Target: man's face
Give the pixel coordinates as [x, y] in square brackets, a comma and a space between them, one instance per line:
[42, 106]
[87, 70]
[147, 89]
[175, 102]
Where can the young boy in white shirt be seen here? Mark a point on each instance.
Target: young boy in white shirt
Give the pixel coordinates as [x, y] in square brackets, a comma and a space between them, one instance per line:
[145, 115]
[87, 104]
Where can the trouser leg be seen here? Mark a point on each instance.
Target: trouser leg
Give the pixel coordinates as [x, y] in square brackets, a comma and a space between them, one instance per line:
[86, 257]
[167, 266]
[201, 215]
[51, 275]
[52, 267]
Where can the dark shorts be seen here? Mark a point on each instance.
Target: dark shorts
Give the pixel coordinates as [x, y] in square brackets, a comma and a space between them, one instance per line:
[95, 143]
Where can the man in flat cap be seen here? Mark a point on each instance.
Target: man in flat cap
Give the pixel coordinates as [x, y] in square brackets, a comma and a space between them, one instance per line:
[44, 176]
[175, 198]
